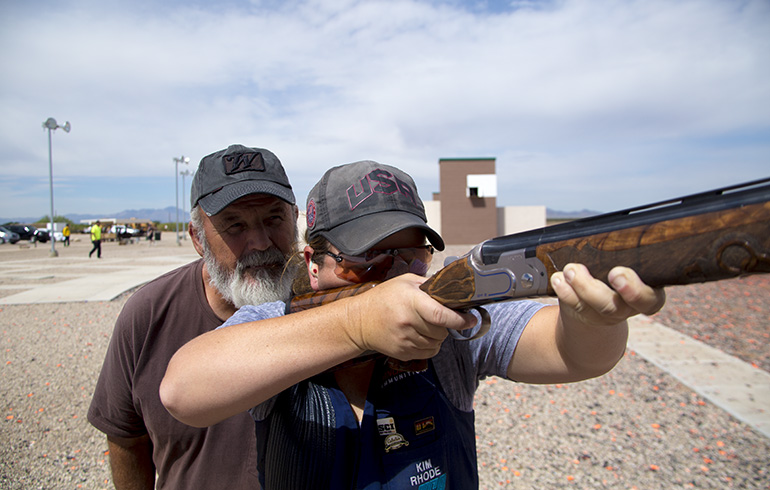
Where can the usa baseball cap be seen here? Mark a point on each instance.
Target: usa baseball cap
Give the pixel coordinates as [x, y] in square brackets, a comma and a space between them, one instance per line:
[357, 205]
[228, 175]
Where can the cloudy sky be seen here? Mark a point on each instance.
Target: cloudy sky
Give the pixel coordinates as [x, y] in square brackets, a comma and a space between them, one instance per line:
[598, 104]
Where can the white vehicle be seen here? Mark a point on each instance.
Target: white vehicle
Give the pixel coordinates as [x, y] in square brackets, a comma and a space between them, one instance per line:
[124, 231]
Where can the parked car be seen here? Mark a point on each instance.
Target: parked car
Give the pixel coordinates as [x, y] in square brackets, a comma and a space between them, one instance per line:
[9, 236]
[122, 231]
[27, 232]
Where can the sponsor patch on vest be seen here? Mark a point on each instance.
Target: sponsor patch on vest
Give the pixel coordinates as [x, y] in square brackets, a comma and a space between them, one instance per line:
[395, 441]
[386, 426]
[425, 425]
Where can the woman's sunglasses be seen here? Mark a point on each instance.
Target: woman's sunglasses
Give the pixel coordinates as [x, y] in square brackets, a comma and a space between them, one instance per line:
[376, 265]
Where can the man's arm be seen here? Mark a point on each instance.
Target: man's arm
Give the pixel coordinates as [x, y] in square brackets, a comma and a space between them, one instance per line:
[131, 463]
[233, 369]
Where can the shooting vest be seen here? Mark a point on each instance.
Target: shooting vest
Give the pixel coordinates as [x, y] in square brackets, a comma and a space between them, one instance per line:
[410, 436]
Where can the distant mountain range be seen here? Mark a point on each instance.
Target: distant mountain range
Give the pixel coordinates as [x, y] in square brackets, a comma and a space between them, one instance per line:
[165, 215]
[168, 215]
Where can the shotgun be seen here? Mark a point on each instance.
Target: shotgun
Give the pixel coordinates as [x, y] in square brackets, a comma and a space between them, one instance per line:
[703, 237]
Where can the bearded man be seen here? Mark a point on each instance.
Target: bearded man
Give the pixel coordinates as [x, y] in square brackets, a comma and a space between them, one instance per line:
[243, 224]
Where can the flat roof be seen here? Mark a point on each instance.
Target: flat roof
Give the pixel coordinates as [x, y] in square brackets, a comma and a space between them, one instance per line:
[465, 159]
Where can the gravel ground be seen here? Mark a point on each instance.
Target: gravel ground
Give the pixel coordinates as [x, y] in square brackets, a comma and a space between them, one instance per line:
[634, 428]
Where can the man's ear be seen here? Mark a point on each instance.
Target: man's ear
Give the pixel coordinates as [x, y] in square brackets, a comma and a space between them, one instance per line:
[194, 237]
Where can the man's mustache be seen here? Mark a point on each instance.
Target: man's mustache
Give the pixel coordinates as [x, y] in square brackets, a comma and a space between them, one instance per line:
[271, 257]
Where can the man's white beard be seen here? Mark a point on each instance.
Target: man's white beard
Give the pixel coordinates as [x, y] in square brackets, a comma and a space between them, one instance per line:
[253, 281]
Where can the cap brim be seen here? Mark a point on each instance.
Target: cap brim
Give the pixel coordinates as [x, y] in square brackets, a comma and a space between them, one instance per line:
[359, 235]
[217, 201]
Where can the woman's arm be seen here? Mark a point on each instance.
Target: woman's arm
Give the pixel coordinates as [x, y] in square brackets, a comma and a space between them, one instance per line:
[585, 336]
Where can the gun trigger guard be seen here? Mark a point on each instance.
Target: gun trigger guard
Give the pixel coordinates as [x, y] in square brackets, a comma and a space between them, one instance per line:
[483, 326]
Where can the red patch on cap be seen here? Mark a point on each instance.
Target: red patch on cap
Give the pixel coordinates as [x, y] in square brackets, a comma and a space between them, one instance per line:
[311, 214]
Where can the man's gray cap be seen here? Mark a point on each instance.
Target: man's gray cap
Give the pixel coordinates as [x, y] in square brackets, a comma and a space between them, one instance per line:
[228, 175]
[357, 205]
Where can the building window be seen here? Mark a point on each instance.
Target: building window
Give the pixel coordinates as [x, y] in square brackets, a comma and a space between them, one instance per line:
[481, 185]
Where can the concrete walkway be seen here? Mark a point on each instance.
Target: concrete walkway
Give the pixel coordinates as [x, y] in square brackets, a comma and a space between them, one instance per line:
[724, 380]
[729, 383]
[28, 273]
[90, 285]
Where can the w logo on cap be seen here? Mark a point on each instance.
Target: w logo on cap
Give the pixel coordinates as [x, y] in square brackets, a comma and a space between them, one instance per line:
[241, 162]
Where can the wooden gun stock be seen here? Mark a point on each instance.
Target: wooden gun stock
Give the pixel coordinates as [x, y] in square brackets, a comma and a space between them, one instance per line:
[309, 301]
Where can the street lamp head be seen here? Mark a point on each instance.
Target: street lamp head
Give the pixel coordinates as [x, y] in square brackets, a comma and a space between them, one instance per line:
[51, 124]
[186, 160]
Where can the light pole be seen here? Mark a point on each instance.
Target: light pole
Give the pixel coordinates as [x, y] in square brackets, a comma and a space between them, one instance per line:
[51, 125]
[177, 161]
[183, 173]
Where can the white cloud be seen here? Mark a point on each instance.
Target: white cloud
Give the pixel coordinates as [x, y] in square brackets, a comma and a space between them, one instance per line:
[607, 103]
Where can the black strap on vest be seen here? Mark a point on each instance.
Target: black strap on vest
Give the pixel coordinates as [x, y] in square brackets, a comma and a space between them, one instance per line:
[300, 445]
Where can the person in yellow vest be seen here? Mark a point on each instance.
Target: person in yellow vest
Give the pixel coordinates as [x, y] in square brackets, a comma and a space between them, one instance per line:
[96, 239]
[66, 234]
